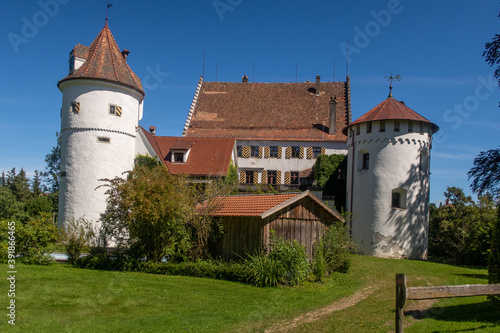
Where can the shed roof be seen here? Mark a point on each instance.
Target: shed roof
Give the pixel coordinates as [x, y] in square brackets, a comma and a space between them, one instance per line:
[264, 205]
[271, 111]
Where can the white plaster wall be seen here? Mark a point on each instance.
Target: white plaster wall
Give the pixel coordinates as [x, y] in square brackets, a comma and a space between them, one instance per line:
[283, 163]
[84, 160]
[381, 230]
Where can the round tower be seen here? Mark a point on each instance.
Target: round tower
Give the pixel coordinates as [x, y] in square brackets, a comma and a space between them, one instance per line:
[101, 108]
[388, 180]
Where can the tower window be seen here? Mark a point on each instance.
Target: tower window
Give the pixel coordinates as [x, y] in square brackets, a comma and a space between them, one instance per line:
[410, 126]
[103, 139]
[75, 107]
[115, 110]
[366, 161]
[382, 126]
[358, 129]
[369, 127]
[398, 198]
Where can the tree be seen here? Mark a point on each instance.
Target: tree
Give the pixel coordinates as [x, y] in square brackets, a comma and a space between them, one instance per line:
[148, 212]
[486, 173]
[19, 184]
[53, 167]
[492, 55]
[330, 174]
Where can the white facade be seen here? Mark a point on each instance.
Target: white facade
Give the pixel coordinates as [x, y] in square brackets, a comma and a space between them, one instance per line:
[95, 144]
[388, 187]
[283, 163]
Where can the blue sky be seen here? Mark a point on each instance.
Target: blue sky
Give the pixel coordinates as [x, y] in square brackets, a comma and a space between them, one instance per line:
[436, 46]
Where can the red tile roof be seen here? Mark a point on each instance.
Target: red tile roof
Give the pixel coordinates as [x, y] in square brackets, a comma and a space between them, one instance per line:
[207, 157]
[391, 109]
[250, 205]
[271, 111]
[104, 61]
[81, 51]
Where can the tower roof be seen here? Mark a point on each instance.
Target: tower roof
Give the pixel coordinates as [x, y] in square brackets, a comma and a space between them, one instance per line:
[104, 61]
[391, 109]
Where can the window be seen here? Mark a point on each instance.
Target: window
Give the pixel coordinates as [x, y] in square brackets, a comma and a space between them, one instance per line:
[398, 198]
[366, 161]
[294, 178]
[249, 177]
[254, 151]
[295, 152]
[75, 107]
[369, 127]
[316, 152]
[382, 126]
[396, 125]
[271, 177]
[179, 157]
[102, 139]
[410, 126]
[273, 151]
[115, 110]
[239, 150]
[358, 129]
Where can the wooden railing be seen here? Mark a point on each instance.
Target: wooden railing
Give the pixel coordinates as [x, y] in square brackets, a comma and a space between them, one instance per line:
[418, 293]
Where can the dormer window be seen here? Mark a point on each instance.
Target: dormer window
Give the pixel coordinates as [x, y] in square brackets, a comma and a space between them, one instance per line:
[71, 64]
[179, 157]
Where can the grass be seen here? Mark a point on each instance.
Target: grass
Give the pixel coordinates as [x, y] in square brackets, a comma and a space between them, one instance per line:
[61, 298]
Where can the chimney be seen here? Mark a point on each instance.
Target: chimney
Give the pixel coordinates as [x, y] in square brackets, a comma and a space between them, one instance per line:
[317, 84]
[333, 116]
[152, 130]
[244, 78]
[125, 53]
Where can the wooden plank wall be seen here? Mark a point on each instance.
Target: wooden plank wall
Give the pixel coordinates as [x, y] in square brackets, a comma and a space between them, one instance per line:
[242, 235]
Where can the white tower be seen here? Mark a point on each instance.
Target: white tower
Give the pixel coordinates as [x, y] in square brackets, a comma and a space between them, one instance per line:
[388, 180]
[101, 108]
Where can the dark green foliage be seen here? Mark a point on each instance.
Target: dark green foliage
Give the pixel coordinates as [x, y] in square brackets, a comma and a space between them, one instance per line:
[494, 254]
[19, 185]
[492, 55]
[486, 173]
[330, 174]
[146, 161]
[331, 251]
[39, 205]
[459, 231]
[286, 264]
[231, 179]
[34, 240]
[10, 208]
[53, 168]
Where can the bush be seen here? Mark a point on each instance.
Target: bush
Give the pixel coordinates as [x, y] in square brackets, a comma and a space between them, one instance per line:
[77, 235]
[34, 240]
[331, 251]
[286, 264]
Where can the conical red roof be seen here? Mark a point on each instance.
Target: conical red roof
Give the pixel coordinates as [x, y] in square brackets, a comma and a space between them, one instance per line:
[104, 61]
[391, 109]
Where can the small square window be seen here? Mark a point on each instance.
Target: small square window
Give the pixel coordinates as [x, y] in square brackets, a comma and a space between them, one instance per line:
[75, 107]
[115, 110]
[396, 200]
[179, 157]
[273, 151]
[103, 139]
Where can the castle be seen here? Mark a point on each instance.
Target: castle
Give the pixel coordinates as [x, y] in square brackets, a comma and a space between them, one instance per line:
[271, 133]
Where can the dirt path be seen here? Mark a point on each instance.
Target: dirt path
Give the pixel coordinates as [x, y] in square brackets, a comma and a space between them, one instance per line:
[309, 317]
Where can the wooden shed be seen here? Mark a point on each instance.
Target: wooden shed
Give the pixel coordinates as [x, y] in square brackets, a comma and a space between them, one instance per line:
[248, 219]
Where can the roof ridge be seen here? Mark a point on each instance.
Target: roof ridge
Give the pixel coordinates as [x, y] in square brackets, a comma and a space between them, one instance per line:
[259, 194]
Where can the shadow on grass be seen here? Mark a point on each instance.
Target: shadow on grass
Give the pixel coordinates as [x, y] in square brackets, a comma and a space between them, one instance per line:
[476, 276]
[484, 313]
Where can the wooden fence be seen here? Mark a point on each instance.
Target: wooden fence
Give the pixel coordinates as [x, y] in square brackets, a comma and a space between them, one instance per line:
[419, 293]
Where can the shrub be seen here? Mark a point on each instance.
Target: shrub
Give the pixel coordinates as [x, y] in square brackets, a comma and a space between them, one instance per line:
[334, 249]
[34, 240]
[286, 264]
[77, 235]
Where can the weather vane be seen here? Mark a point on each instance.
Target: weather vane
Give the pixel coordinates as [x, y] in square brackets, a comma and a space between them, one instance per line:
[392, 78]
[108, 5]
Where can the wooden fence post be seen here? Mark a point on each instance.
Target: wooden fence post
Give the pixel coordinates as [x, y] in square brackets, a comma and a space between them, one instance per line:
[400, 301]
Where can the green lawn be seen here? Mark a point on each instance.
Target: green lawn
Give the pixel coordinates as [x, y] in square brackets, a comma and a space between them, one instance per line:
[61, 298]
